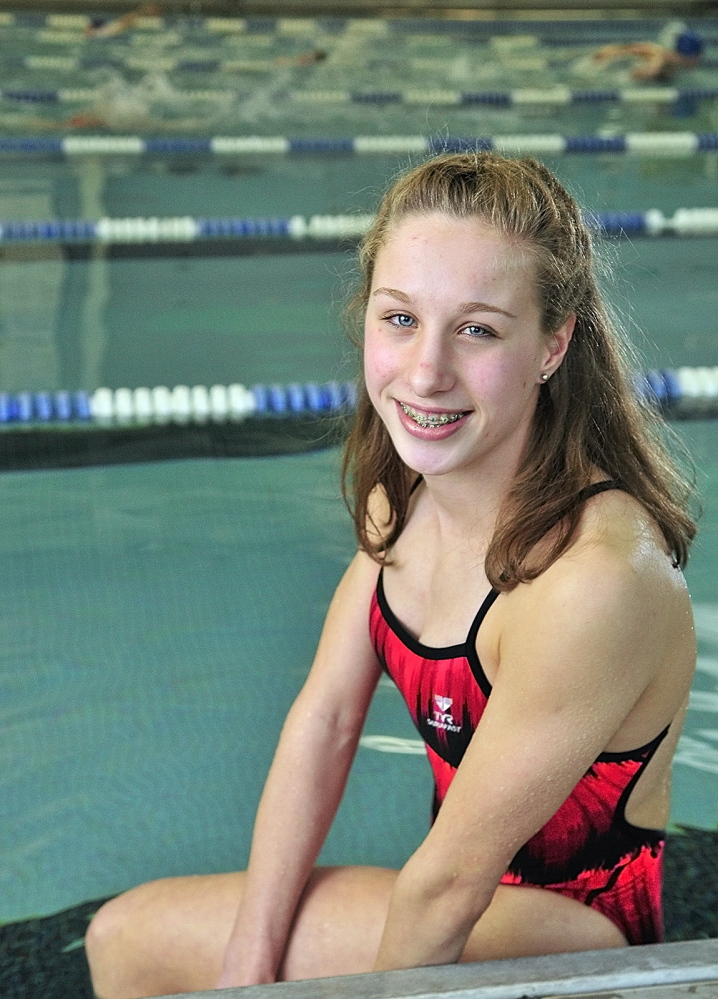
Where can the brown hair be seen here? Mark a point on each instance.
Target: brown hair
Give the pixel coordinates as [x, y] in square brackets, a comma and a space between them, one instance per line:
[587, 415]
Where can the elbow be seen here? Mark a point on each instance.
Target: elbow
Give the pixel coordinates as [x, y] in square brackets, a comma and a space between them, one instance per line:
[452, 896]
[337, 727]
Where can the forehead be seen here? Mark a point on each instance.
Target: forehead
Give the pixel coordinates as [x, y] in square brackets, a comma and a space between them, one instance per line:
[452, 253]
[464, 240]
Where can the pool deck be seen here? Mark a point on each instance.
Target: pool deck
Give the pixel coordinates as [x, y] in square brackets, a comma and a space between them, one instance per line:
[659, 971]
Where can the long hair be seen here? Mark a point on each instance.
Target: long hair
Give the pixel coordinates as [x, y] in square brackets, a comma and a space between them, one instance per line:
[587, 415]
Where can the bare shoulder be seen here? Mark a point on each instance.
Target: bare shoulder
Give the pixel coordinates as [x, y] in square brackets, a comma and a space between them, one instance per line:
[381, 517]
[355, 590]
[612, 615]
[619, 540]
[345, 668]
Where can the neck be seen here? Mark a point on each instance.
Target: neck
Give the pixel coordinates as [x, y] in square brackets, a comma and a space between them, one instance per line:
[467, 503]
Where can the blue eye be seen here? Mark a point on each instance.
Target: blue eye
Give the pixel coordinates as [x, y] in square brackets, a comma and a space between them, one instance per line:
[477, 332]
[401, 319]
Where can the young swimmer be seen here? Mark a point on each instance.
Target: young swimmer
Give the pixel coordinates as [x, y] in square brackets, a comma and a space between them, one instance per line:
[657, 60]
[102, 28]
[521, 536]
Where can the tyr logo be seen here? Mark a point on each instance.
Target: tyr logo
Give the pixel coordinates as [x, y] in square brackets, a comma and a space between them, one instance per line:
[443, 714]
[443, 718]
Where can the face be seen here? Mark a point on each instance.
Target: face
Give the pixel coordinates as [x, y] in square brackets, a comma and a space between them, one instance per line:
[454, 350]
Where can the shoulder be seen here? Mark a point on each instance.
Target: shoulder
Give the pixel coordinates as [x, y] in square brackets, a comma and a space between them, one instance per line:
[617, 562]
[345, 659]
[381, 518]
[617, 535]
[612, 600]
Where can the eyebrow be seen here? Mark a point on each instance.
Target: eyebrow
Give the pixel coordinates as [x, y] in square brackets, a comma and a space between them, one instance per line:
[463, 308]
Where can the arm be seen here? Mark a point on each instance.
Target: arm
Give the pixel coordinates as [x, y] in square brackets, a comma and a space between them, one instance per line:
[658, 64]
[577, 648]
[305, 782]
[643, 50]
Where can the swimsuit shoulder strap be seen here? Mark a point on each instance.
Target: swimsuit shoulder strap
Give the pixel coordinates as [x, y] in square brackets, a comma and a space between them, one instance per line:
[595, 488]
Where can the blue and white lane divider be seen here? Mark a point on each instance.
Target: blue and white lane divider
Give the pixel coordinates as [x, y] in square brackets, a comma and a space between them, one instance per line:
[524, 97]
[181, 404]
[684, 222]
[681, 392]
[598, 34]
[688, 393]
[185, 229]
[674, 144]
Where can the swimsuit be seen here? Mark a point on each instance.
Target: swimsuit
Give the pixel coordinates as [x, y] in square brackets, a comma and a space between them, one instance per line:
[587, 850]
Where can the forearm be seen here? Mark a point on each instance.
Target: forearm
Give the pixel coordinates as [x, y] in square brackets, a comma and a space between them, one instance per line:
[430, 918]
[301, 796]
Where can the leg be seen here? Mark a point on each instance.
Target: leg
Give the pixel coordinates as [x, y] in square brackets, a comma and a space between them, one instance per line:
[169, 936]
[523, 922]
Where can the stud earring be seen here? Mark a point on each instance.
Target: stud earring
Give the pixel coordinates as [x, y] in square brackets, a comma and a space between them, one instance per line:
[544, 376]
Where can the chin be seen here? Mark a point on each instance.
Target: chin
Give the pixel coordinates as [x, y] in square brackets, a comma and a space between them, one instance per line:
[423, 462]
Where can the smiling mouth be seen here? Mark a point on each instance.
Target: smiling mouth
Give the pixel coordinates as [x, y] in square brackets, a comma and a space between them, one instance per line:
[431, 419]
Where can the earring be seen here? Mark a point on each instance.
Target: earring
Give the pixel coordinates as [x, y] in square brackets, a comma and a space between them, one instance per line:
[544, 376]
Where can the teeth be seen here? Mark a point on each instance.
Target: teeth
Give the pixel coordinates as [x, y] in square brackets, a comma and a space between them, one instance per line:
[430, 420]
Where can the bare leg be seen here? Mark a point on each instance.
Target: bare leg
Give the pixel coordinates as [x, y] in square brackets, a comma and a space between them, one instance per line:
[169, 936]
[523, 922]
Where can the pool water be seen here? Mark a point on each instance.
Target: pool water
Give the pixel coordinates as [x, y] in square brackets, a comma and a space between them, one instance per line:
[158, 619]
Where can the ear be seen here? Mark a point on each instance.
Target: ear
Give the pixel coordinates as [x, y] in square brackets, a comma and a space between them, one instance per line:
[557, 345]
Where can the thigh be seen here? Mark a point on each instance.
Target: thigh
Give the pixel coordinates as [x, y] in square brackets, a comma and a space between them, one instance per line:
[523, 921]
[170, 935]
[339, 923]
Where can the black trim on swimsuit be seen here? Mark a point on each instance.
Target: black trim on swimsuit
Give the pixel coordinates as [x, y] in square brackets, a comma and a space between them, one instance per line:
[471, 654]
[635, 754]
[650, 750]
[465, 650]
[405, 636]
[468, 647]
[594, 489]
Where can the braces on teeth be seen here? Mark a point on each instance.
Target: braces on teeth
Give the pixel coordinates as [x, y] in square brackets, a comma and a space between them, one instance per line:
[431, 420]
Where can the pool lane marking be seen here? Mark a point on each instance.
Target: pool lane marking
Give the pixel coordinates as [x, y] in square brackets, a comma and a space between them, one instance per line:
[691, 752]
[699, 755]
[393, 744]
[706, 619]
[75, 945]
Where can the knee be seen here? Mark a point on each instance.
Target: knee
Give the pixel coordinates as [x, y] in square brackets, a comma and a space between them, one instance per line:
[113, 945]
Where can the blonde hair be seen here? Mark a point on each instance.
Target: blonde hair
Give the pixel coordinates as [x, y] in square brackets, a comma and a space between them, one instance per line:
[587, 415]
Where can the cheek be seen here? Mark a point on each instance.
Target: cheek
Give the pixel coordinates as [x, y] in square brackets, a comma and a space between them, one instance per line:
[502, 378]
[494, 376]
[379, 362]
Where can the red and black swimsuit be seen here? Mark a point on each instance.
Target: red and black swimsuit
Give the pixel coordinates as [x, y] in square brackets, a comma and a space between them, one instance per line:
[587, 850]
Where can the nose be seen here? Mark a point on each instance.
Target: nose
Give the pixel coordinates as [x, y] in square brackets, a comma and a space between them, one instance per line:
[431, 367]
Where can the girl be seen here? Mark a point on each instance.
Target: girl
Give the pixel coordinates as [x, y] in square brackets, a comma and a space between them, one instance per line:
[521, 537]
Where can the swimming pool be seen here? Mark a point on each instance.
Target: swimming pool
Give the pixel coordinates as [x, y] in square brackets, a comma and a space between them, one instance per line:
[158, 618]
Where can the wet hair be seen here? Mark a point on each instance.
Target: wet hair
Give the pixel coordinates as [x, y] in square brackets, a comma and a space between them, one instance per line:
[587, 416]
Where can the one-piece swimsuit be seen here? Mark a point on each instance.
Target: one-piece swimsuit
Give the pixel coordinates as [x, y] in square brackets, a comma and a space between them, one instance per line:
[587, 850]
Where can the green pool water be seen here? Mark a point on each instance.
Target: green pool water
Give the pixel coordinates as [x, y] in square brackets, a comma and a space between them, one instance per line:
[158, 619]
